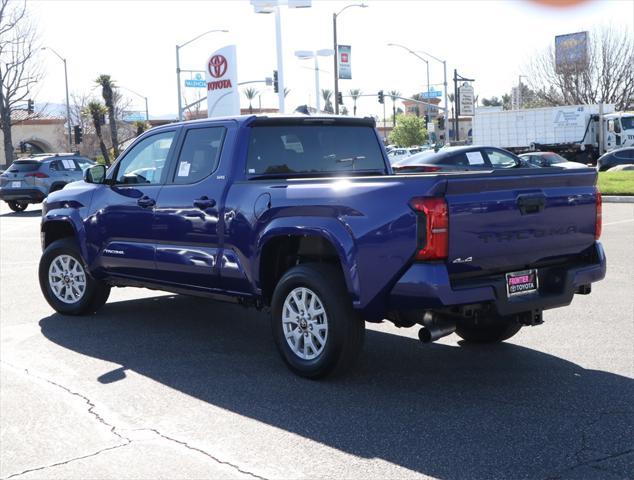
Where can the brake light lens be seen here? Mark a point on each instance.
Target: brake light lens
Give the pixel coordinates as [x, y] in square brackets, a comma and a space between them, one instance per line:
[36, 175]
[598, 228]
[433, 228]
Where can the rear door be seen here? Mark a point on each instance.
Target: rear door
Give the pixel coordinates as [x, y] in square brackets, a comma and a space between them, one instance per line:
[187, 217]
[514, 221]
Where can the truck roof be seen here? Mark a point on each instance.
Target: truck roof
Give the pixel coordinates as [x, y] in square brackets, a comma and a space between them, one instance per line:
[271, 119]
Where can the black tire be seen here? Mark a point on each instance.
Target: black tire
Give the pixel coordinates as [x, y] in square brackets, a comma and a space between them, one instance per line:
[493, 329]
[55, 187]
[346, 329]
[17, 205]
[95, 294]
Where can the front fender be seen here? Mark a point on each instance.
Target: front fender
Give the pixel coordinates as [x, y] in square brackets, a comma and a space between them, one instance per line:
[329, 229]
[70, 216]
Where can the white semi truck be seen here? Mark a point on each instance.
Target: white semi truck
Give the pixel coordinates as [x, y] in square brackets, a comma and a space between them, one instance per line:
[578, 132]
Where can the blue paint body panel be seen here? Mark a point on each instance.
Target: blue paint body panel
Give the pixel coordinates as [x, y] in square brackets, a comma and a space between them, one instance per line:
[367, 220]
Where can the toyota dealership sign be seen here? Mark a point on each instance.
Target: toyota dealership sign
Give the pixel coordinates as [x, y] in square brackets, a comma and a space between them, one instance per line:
[223, 98]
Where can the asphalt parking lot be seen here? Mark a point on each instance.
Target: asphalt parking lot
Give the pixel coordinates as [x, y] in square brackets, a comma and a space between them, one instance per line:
[164, 386]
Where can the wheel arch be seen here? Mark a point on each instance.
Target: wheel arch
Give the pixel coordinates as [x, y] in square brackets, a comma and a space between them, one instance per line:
[282, 247]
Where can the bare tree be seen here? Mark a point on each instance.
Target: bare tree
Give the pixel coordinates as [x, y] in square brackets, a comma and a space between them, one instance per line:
[609, 77]
[18, 73]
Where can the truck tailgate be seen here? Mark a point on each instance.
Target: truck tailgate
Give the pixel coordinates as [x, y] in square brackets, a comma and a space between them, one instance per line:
[511, 222]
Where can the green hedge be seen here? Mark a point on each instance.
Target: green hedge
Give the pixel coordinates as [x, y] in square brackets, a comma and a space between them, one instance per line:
[616, 183]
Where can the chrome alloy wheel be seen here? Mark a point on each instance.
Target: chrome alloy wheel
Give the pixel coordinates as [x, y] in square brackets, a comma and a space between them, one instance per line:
[67, 279]
[305, 323]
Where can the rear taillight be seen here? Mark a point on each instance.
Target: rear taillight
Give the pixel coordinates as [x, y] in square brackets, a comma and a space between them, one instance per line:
[433, 228]
[598, 226]
[36, 175]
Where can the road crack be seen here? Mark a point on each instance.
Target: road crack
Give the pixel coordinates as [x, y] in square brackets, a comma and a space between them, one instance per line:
[199, 450]
[113, 429]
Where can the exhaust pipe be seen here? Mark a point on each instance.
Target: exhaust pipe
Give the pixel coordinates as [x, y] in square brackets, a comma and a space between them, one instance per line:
[435, 327]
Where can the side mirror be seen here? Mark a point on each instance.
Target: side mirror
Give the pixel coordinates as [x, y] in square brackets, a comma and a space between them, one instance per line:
[95, 174]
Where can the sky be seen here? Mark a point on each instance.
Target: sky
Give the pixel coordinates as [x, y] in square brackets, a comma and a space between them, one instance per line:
[134, 41]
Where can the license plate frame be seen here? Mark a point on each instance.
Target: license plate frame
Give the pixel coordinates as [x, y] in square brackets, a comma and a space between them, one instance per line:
[517, 285]
[15, 184]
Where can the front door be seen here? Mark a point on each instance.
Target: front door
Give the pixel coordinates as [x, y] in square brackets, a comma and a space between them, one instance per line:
[187, 212]
[121, 226]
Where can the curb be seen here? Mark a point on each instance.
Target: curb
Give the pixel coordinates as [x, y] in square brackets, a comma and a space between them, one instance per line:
[618, 199]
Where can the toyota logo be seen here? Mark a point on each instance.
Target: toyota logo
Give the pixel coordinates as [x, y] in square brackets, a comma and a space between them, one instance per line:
[217, 66]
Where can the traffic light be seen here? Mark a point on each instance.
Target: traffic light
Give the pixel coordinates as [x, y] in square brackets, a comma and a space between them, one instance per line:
[441, 123]
[276, 87]
[78, 134]
[381, 97]
[339, 98]
[29, 106]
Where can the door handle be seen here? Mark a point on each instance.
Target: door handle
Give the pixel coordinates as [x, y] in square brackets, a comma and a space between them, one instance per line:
[204, 202]
[146, 202]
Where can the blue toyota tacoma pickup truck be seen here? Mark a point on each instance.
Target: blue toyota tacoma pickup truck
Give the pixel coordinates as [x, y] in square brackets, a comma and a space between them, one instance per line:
[303, 216]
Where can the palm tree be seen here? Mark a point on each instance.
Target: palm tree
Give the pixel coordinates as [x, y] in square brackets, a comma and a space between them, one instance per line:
[327, 95]
[250, 93]
[96, 111]
[107, 92]
[355, 93]
[394, 94]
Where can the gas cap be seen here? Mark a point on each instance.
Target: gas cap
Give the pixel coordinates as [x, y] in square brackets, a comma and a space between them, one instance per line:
[262, 204]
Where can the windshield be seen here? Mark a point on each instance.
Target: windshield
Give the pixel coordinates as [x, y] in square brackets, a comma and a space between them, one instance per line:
[627, 123]
[24, 166]
[309, 149]
[555, 158]
[421, 158]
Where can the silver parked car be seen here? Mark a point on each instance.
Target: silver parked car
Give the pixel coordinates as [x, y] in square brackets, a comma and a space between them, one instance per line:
[30, 180]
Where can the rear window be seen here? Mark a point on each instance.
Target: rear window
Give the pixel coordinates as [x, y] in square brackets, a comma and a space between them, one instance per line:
[554, 158]
[624, 154]
[24, 166]
[307, 149]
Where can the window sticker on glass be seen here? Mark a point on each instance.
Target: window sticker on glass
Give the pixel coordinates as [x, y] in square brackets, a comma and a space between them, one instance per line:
[475, 158]
[183, 169]
[69, 164]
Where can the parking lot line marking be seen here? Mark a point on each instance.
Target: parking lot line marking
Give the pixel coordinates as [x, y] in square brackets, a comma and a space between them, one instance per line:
[620, 221]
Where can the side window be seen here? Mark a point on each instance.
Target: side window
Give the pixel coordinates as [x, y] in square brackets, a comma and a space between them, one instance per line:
[146, 161]
[500, 159]
[458, 160]
[64, 165]
[200, 154]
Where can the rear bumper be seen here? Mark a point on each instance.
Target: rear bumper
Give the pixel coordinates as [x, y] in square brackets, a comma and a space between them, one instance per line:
[428, 286]
[29, 194]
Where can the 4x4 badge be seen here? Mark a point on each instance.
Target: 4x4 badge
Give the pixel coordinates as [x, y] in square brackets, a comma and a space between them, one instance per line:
[460, 260]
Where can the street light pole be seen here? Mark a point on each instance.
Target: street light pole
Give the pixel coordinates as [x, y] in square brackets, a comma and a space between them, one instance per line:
[178, 68]
[70, 141]
[280, 60]
[315, 54]
[336, 57]
[317, 99]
